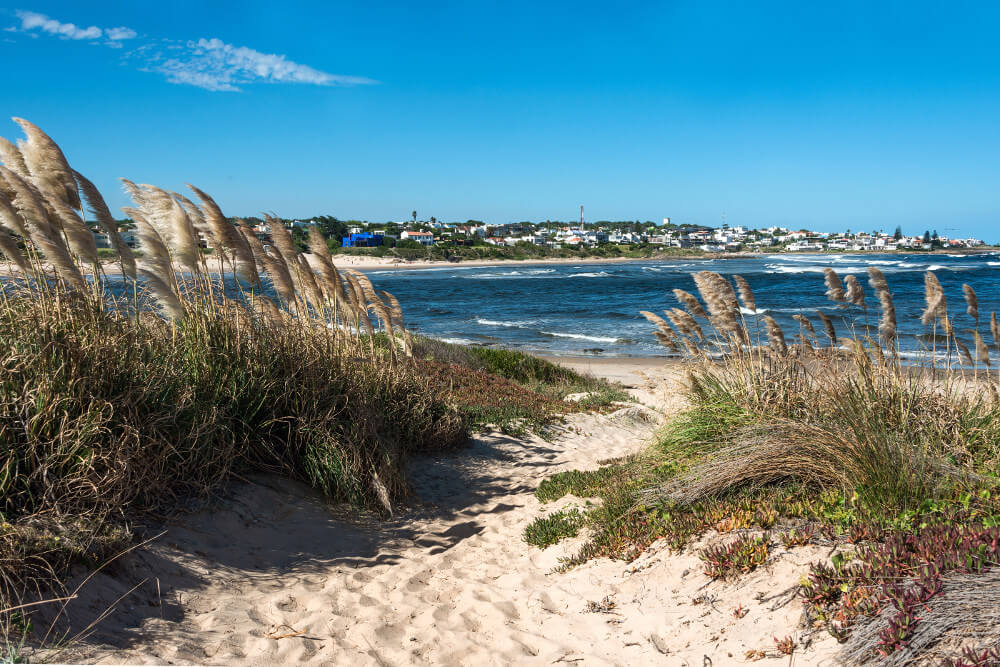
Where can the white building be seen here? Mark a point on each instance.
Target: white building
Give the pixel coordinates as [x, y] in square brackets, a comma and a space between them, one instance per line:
[423, 238]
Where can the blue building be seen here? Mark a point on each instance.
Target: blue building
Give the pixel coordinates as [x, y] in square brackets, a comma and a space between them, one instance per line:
[362, 240]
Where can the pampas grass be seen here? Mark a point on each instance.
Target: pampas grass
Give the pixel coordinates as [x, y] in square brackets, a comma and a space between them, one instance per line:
[834, 288]
[122, 395]
[972, 303]
[47, 165]
[775, 336]
[99, 209]
[746, 293]
[855, 293]
[228, 239]
[691, 303]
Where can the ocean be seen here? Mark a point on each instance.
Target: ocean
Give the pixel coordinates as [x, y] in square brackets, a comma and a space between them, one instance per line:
[593, 309]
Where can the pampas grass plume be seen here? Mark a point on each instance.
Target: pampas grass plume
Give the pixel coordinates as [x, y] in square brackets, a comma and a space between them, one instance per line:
[855, 292]
[834, 288]
[831, 332]
[12, 158]
[972, 301]
[775, 336]
[806, 324]
[746, 294]
[48, 165]
[691, 303]
[100, 211]
[228, 238]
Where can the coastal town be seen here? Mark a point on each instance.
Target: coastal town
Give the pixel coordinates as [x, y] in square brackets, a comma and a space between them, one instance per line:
[667, 234]
[433, 233]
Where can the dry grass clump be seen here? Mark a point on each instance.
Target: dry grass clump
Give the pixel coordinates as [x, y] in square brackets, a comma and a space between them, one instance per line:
[955, 627]
[124, 395]
[845, 414]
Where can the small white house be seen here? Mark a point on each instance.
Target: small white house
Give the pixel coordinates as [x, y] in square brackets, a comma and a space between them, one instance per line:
[423, 238]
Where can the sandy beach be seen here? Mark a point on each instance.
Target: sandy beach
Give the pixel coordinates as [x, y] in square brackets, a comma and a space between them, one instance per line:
[271, 575]
[361, 262]
[370, 263]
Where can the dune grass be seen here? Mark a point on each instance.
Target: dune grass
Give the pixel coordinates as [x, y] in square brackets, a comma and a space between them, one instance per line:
[132, 396]
[508, 389]
[824, 438]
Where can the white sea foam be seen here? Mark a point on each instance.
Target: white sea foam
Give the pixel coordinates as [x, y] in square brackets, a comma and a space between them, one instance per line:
[421, 270]
[514, 273]
[501, 323]
[457, 341]
[747, 311]
[596, 339]
[599, 274]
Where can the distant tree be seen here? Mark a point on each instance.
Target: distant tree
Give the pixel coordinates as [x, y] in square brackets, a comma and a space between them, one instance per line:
[927, 236]
[330, 227]
[934, 236]
[898, 234]
[414, 214]
[433, 220]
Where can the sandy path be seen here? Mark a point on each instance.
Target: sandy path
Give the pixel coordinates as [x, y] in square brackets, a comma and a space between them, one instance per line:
[449, 581]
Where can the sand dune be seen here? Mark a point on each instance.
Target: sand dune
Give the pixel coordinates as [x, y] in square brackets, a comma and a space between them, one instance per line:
[272, 575]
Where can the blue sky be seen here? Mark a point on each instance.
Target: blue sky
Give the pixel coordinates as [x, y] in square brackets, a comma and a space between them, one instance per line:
[836, 115]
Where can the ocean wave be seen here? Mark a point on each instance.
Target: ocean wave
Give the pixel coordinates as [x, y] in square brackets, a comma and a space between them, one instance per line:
[596, 339]
[510, 274]
[937, 267]
[805, 257]
[993, 263]
[429, 269]
[500, 323]
[458, 341]
[599, 274]
[747, 311]
[813, 268]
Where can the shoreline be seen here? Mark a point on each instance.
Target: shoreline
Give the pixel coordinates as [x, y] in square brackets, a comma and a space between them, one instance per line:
[365, 263]
[110, 266]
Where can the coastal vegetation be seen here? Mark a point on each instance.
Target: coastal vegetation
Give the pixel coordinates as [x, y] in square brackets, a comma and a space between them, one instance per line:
[128, 396]
[522, 251]
[827, 437]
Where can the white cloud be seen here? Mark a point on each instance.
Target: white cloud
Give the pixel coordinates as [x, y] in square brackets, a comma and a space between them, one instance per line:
[214, 65]
[34, 20]
[208, 63]
[116, 34]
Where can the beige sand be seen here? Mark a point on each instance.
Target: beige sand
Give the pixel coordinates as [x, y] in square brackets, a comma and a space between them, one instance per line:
[362, 262]
[273, 576]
